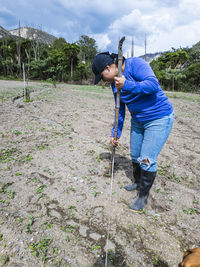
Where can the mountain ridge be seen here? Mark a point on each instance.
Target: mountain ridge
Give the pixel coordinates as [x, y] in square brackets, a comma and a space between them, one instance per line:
[27, 33]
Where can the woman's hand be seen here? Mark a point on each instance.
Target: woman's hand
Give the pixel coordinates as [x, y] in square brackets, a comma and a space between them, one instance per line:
[114, 142]
[119, 82]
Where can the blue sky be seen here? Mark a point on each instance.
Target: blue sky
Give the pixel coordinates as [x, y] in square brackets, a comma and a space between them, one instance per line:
[166, 23]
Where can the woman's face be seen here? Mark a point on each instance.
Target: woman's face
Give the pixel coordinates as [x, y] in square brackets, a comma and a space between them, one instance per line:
[109, 73]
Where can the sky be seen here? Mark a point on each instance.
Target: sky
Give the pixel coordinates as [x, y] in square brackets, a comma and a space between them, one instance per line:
[166, 24]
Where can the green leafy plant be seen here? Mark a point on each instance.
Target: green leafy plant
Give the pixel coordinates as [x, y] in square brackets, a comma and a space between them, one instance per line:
[190, 211]
[41, 248]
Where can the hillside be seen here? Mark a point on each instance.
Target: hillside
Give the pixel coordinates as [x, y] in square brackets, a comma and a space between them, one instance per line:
[4, 33]
[150, 56]
[196, 46]
[33, 34]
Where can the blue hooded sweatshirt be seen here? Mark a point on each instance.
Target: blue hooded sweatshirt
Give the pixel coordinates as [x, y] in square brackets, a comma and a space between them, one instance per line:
[141, 94]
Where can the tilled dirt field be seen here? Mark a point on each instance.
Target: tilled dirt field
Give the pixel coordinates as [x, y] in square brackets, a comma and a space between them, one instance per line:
[55, 192]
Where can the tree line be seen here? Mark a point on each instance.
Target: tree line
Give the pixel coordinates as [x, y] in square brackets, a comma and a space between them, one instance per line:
[176, 70]
[179, 69]
[61, 61]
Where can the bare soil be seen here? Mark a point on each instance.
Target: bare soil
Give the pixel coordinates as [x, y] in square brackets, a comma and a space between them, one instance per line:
[55, 192]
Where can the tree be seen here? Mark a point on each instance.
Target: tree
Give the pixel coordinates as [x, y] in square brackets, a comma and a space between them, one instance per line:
[59, 43]
[19, 50]
[88, 48]
[192, 77]
[168, 68]
[71, 55]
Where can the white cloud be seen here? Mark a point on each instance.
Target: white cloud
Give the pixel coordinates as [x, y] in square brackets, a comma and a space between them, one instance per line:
[181, 36]
[102, 40]
[166, 23]
[165, 26]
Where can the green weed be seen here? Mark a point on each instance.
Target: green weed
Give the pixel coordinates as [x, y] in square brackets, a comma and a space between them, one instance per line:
[71, 209]
[4, 187]
[190, 211]
[98, 158]
[5, 259]
[96, 194]
[95, 247]
[27, 158]
[41, 248]
[40, 189]
[11, 193]
[6, 154]
[18, 173]
[16, 132]
[28, 228]
[1, 237]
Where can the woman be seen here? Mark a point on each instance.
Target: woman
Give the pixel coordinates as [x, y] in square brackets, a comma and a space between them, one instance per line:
[151, 112]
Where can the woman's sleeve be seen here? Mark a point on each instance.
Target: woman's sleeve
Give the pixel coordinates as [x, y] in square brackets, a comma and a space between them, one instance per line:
[144, 80]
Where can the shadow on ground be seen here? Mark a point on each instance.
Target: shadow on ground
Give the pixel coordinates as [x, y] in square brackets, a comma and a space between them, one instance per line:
[113, 260]
[121, 163]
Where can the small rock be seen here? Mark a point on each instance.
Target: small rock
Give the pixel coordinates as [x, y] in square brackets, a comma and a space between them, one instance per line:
[95, 236]
[16, 249]
[83, 230]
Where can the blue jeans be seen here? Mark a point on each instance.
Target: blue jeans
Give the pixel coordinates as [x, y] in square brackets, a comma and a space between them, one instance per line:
[147, 140]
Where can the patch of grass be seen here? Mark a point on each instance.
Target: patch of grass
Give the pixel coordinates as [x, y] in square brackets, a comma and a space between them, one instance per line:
[96, 194]
[39, 190]
[71, 147]
[197, 201]
[71, 209]
[157, 262]
[87, 178]
[157, 190]
[95, 247]
[20, 220]
[72, 189]
[4, 187]
[42, 146]
[185, 96]
[16, 132]
[6, 155]
[174, 177]
[162, 169]
[18, 173]
[31, 221]
[90, 152]
[41, 248]
[155, 218]
[27, 158]
[4, 135]
[98, 158]
[67, 238]
[5, 259]
[92, 171]
[11, 193]
[33, 180]
[111, 255]
[70, 228]
[190, 211]
[92, 88]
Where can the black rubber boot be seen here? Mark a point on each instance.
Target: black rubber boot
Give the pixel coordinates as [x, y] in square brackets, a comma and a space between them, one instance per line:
[147, 179]
[136, 175]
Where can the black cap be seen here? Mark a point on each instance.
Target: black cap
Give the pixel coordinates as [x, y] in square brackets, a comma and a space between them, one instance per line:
[99, 63]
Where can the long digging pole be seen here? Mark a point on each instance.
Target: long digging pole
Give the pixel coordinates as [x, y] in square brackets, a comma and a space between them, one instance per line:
[117, 106]
[120, 59]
